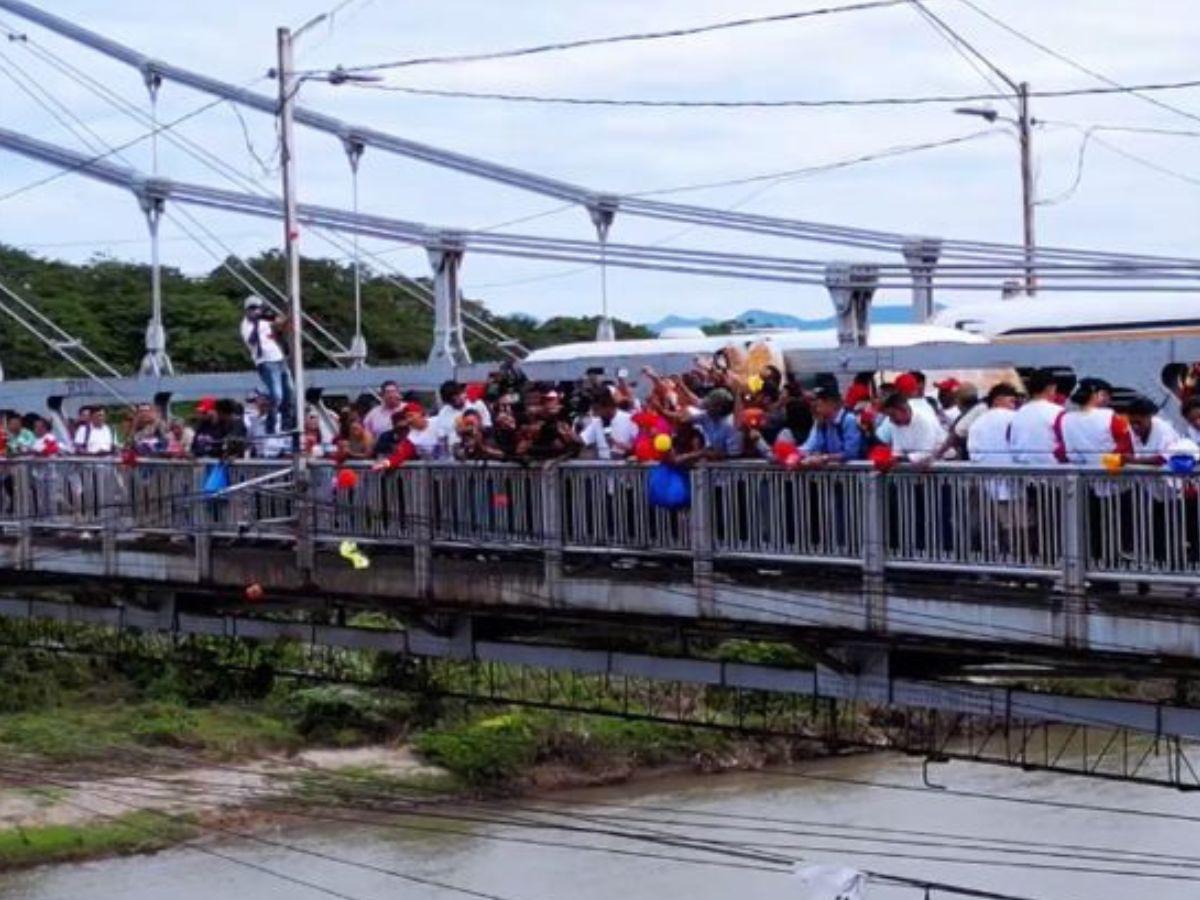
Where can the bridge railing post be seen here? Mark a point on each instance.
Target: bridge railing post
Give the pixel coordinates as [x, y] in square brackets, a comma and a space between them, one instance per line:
[701, 525]
[874, 524]
[1075, 536]
[552, 537]
[1075, 560]
[23, 512]
[422, 487]
[110, 482]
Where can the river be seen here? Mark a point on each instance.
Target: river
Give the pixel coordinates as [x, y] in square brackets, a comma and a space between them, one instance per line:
[797, 811]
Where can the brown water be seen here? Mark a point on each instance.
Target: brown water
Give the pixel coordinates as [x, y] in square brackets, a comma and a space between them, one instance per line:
[792, 811]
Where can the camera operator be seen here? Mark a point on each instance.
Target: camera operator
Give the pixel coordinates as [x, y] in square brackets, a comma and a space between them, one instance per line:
[261, 333]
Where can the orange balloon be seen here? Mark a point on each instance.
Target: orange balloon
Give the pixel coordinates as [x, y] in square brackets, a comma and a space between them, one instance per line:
[662, 443]
[1112, 462]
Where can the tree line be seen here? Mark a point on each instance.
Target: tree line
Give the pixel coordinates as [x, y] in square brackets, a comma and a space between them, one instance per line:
[106, 304]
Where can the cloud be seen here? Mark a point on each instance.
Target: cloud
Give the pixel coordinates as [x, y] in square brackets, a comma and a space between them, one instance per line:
[969, 190]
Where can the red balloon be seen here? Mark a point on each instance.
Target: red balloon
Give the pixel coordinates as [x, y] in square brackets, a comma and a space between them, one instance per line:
[347, 480]
[793, 460]
[643, 449]
[881, 457]
[783, 449]
[254, 592]
[754, 417]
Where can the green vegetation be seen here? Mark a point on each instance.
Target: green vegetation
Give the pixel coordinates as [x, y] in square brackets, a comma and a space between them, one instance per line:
[496, 751]
[138, 832]
[364, 784]
[106, 304]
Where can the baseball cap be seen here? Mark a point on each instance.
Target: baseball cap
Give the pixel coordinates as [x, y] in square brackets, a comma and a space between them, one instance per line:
[206, 404]
[412, 408]
[949, 385]
[907, 384]
[253, 302]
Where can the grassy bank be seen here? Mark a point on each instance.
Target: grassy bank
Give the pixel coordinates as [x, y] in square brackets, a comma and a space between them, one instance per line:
[137, 832]
[120, 707]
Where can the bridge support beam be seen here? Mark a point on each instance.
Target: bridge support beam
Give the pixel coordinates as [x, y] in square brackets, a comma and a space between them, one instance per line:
[156, 362]
[702, 536]
[602, 213]
[852, 288]
[921, 254]
[449, 343]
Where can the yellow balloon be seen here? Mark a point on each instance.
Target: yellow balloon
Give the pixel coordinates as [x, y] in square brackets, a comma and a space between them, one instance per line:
[1112, 462]
[662, 443]
[755, 383]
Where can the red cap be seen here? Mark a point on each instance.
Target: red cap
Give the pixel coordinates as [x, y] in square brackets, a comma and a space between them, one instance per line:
[948, 384]
[206, 404]
[856, 394]
[475, 391]
[908, 385]
[410, 408]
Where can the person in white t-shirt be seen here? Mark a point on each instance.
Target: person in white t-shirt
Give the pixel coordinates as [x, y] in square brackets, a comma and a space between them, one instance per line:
[427, 440]
[916, 433]
[1032, 440]
[94, 436]
[260, 334]
[1152, 434]
[610, 432]
[454, 404]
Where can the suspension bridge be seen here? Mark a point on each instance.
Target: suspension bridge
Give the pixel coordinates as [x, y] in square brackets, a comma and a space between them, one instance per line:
[897, 582]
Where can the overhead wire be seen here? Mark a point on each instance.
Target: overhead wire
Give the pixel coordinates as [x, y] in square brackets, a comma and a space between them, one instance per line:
[796, 103]
[556, 47]
[475, 324]
[1074, 64]
[532, 182]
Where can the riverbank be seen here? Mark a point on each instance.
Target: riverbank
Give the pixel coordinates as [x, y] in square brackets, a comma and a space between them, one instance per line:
[59, 811]
[118, 753]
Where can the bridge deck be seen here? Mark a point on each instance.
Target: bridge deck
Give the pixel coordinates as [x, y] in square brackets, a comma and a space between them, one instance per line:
[958, 555]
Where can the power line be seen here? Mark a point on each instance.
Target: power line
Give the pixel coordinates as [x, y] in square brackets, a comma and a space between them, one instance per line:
[1077, 66]
[973, 57]
[773, 104]
[624, 38]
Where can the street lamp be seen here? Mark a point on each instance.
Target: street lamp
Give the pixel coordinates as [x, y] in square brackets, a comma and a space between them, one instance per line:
[1024, 124]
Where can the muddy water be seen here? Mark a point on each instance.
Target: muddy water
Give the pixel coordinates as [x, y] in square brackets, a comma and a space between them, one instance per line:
[794, 813]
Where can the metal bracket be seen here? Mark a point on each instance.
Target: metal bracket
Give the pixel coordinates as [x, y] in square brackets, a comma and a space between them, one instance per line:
[921, 255]
[449, 344]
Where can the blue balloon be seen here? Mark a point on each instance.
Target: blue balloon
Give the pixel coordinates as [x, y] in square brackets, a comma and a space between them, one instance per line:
[1182, 464]
[668, 487]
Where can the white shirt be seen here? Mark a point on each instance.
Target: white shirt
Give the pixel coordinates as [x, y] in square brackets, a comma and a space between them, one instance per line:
[621, 430]
[1162, 435]
[987, 439]
[379, 420]
[922, 436]
[94, 440]
[1031, 437]
[430, 442]
[1087, 434]
[268, 349]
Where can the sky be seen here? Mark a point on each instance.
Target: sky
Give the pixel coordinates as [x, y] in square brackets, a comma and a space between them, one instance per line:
[970, 190]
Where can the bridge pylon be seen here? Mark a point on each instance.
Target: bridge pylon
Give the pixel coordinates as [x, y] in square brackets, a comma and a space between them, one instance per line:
[449, 343]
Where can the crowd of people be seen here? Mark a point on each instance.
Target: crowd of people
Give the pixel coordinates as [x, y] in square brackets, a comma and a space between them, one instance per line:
[710, 413]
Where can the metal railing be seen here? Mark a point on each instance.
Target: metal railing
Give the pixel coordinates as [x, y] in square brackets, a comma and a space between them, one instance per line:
[1066, 524]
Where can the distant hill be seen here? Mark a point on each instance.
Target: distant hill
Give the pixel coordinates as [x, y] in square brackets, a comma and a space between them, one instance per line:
[679, 322]
[762, 318]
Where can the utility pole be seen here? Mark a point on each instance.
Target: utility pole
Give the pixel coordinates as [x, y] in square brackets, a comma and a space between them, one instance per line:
[1024, 126]
[1024, 123]
[288, 86]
